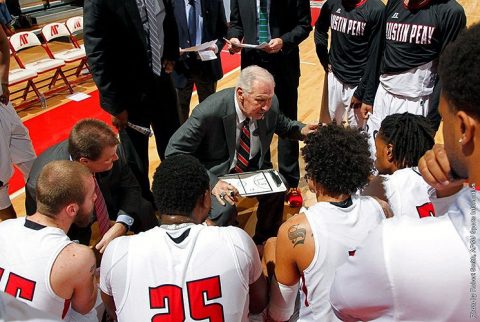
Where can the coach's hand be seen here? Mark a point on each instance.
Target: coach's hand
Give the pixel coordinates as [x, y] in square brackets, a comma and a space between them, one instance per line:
[274, 46]
[233, 45]
[115, 231]
[120, 120]
[436, 171]
[309, 128]
[224, 191]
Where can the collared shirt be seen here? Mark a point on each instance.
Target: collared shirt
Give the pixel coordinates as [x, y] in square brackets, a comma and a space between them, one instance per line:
[199, 22]
[146, 22]
[254, 139]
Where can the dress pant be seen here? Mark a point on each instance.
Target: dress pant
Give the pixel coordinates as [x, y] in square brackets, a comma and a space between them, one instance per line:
[286, 73]
[157, 108]
[194, 76]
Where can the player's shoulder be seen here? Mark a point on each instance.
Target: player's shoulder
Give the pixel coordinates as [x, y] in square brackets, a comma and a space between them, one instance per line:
[450, 7]
[375, 6]
[298, 222]
[10, 223]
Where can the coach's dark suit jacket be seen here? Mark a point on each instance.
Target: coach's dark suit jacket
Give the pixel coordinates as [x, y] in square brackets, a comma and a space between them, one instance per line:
[119, 187]
[209, 133]
[117, 51]
[289, 20]
[214, 28]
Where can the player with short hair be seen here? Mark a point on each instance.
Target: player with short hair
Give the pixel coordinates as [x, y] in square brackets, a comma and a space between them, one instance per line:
[400, 143]
[183, 269]
[39, 264]
[353, 61]
[425, 270]
[311, 245]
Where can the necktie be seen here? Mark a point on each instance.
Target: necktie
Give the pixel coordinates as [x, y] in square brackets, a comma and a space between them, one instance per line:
[243, 150]
[101, 210]
[192, 23]
[263, 22]
[154, 37]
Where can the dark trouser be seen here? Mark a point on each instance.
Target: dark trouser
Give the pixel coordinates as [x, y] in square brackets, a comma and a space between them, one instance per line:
[157, 109]
[286, 72]
[205, 88]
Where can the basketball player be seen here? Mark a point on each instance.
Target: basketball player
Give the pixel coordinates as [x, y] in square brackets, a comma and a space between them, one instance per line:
[39, 264]
[183, 269]
[426, 270]
[356, 28]
[311, 245]
[15, 144]
[416, 33]
[402, 140]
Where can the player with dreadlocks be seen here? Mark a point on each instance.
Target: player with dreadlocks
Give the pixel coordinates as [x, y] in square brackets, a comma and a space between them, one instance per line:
[400, 143]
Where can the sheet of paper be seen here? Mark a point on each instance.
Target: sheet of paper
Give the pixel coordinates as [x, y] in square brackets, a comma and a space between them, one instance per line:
[206, 55]
[255, 183]
[260, 46]
[77, 97]
[200, 47]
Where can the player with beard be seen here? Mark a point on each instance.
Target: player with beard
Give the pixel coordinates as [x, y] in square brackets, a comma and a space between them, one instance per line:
[426, 270]
[352, 63]
[39, 264]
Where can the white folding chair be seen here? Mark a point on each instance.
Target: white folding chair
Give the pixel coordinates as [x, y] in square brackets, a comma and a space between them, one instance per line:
[24, 41]
[70, 53]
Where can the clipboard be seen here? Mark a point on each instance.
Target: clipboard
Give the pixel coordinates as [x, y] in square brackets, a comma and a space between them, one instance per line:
[256, 183]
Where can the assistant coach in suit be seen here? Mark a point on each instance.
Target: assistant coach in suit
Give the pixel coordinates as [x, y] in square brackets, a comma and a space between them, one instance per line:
[94, 144]
[209, 24]
[131, 47]
[283, 25]
[213, 134]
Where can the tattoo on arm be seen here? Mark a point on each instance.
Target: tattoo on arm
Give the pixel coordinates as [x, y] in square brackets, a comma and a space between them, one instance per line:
[297, 235]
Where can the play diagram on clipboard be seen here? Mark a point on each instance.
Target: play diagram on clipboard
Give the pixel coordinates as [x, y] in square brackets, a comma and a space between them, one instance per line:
[256, 183]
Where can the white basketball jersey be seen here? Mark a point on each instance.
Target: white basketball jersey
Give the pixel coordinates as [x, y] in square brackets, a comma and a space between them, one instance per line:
[337, 232]
[407, 193]
[195, 273]
[26, 259]
[429, 261]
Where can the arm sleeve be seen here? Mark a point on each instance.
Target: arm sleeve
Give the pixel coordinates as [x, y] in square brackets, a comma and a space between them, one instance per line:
[96, 35]
[221, 28]
[304, 25]
[129, 189]
[235, 29]
[171, 43]
[321, 35]
[453, 21]
[361, 288]
[368, 85]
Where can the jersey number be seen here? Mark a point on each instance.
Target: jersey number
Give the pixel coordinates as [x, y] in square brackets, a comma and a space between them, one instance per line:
[426, 210]
[18, 286]
[170, 297]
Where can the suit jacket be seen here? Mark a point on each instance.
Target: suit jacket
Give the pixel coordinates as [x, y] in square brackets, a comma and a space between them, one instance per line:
[118, 185]
[214, 28]
[117, 52]
[289, 20]
[209, 134]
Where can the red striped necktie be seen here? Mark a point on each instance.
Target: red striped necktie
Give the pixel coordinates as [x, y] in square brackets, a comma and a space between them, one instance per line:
[243, 150]
[101, 210]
